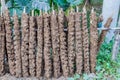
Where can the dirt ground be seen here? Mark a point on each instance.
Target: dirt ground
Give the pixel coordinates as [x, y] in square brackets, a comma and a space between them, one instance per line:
[9, 77]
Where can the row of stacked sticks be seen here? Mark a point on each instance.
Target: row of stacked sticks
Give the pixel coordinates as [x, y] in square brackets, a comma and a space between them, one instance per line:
[40, 46]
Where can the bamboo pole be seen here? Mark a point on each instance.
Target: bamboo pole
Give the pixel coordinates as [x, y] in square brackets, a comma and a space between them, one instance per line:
[78, 41]
[71, 39]
[85, 37]
[25, 44]
[32, 46]
[40, 46]
[63, 44]
[9, 43]
[17, 45]
[55, 44]
[93, 40]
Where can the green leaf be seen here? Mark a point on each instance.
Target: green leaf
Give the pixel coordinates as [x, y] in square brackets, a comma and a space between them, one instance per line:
[100, 75]
[62, 3]
[75, 2]
[70, 78]
[85, 77]
[98, 68]
[76, 76]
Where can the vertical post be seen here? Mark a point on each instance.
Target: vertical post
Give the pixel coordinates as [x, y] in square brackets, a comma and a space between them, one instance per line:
[113, 7]
[117, 43]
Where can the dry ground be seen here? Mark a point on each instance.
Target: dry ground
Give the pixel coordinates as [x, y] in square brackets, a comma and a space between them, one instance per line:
[9, 77]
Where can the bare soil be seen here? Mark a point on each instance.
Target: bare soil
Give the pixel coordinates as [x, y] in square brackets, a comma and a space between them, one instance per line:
[9, 77]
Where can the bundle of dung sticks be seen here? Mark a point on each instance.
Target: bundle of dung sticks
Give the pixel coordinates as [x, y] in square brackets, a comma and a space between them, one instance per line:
[49, 45]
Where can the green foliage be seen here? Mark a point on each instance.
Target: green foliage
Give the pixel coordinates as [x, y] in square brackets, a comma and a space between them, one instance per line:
[65, 4]
[75, 2]
[61, 3]
[98, 2]
[18, 5]
[85, 77]
[105, 68]
[75, 77]
[42, 4]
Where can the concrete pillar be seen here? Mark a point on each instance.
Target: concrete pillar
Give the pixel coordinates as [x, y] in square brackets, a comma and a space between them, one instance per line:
[110, 7]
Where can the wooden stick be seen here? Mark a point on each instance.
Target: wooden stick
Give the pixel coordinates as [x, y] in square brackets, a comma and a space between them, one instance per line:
[32, 13]
[14, 12]
[24, 10]
[1, 12]
[77, 9]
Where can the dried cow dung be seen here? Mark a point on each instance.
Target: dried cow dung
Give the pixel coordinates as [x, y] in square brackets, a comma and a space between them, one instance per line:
[25, 45]
[17, 50]
[93, 40]
[71, 40]
[104, 32]
[9, 44]
[85, 41]
[55, 44]
[39, 55]
[50, 50]
[32, 46]
[2, 45]
[78, 41]
[47, 46]
[63, 44]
